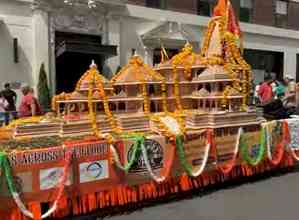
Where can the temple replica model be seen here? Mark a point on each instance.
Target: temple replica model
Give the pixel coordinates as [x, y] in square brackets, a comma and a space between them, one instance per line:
[207, 90]
[146, 133]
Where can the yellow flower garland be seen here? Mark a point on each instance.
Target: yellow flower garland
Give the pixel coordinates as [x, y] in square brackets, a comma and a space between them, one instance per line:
[108, 113]
[92, 114]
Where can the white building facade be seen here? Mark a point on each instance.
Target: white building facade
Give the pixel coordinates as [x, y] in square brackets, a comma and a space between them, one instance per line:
[33, 23]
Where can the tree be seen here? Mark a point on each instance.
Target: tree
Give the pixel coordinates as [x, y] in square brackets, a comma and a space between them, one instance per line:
[43, 89]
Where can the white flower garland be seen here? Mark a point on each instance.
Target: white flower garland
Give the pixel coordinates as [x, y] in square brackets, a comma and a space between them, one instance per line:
[237, 144]
[204, 162]
[294, 154]
[116, 158]
[61, 183]
[268, 134]
[236, 150]
[158, 179]
[29, 214]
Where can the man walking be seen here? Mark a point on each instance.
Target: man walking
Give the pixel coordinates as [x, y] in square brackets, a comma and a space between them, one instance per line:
[11, 98]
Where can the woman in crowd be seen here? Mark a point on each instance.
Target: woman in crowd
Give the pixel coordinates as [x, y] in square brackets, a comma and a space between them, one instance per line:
[265, 91]
[29, 105]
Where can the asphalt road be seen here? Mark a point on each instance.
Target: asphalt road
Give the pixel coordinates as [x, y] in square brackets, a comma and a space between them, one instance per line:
[276, 198]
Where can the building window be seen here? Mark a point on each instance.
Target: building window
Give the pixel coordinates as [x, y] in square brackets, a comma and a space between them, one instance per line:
[281, 12]
[205, 7]
[160, 4]
[246, 10]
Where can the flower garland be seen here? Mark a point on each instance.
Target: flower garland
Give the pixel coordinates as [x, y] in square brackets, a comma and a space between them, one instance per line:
[159, 77]
[92, 114]
[228, 167]
[8, 174]
[162, 127]
[164, 96]
[180, 119]
[143, 87]
[188, 168]
[110, 116]
[234, 58]
[145, 98]
[177, 94]
[225, 100]
[182, 58]
[244, 150]
[208, 36]
[279, 149]
[135, 155]
[168, 164]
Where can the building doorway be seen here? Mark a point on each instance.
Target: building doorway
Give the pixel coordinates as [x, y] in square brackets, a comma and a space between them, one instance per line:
[74, 54]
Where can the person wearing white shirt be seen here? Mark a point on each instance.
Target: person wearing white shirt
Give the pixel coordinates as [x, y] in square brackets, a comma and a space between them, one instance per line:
[3, 106]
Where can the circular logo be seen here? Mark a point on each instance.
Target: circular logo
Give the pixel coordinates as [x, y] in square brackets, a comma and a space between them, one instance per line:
[94, 170]
[154, 153]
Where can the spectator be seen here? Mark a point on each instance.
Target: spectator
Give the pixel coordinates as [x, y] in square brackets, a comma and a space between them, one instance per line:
[256, 94]
[3, 105]
[290, 94]
[265, 91]
[11, 98]
[29, 105]
[291, 85]
[279, 89]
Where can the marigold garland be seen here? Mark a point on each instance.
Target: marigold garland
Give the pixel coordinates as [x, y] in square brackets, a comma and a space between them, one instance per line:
[176, 88]
[92, 114]
[163, 86]
[111, 119]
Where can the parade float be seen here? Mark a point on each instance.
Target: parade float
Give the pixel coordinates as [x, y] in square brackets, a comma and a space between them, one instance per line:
[148, 133]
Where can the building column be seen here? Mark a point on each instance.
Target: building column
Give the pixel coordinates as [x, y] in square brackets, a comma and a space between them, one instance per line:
[52, 58]
[290, 63]
[113, 37]
[40, 30]
[149, 55]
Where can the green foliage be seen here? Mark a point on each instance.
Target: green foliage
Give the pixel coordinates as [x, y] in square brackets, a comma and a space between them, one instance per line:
[43, 89]
[118, 69]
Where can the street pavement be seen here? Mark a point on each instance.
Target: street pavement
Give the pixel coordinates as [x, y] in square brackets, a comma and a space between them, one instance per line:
[274, 198]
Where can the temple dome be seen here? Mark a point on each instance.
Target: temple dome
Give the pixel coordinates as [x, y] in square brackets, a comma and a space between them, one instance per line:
[136, 71]
[92, 76]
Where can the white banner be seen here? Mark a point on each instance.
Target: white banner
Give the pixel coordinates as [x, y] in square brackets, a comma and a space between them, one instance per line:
[92, 171]
[49, 178]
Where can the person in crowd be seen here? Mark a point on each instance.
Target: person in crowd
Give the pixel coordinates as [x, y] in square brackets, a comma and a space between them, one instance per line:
[11, 98]
[3, 106]
[289, 100]
[279, 89]
[256, 94]
[29, 105]
[265, 91]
